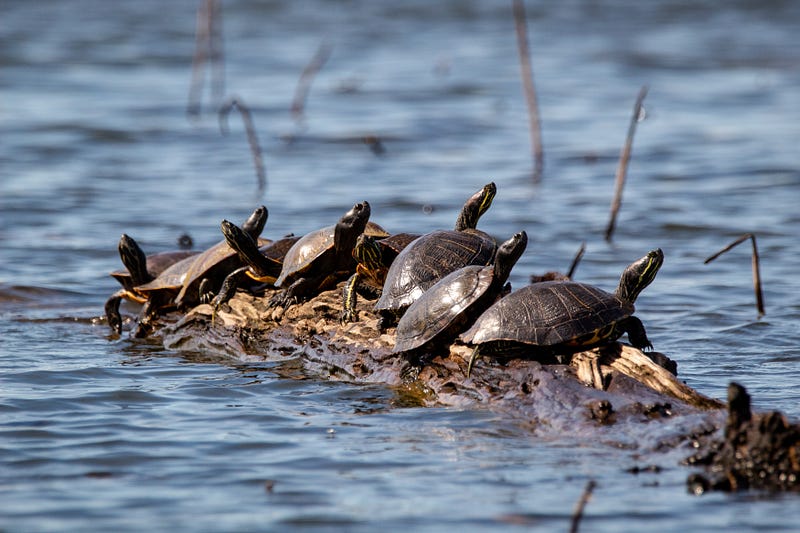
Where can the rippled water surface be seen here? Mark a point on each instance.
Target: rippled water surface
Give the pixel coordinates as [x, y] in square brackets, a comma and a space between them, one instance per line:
[104, 433]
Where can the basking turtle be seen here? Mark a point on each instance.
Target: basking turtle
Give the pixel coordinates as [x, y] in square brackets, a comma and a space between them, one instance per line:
[373, 257]
[204, 276]
[139, 269]
[456, 300]
[321, 259]
[214, 264]
[261, 264]
[434, 255]
[564, 317]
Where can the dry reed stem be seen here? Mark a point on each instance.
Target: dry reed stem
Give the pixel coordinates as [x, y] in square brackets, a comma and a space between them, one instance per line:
[530, 90]
[756, 267]
[208, 49]
[577, 514]
[252, 138]
[576, 260]
[306, 77]
[624, 159]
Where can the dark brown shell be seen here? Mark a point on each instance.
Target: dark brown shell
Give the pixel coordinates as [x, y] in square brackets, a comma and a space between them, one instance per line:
[311, 248]
[441, 306]
[548, 314]
[430, 258]
[156, 264]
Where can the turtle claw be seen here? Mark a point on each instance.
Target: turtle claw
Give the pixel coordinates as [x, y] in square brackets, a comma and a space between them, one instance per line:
[205, 292]
[472, 358]
[349, 315]
[283, 299]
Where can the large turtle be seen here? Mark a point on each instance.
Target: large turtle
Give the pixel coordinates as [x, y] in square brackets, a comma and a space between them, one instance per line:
[564, 317]
[434, 255]
[321, 259]
[205, 275]
[191, 276]
[374, 256]
[139, 269]
[456, 300]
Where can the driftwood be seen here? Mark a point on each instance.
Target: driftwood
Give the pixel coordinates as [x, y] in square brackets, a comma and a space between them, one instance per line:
[615, 395]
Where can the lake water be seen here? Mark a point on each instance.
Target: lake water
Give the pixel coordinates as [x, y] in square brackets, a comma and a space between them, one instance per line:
[102, 433]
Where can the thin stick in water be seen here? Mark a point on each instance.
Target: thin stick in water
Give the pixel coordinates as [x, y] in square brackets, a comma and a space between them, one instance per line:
[208, 49]
[530, 90]
[198, 61]
[756, 267]
[624, 159]
[252, 138]
[576, 260]
[577, 514]
[307, 76]
[216, 52]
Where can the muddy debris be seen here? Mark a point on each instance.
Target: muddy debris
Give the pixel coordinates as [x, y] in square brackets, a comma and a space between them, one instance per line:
[757, 451]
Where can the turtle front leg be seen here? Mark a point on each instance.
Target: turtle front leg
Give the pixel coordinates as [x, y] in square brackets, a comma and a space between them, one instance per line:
[350, 300]
[205, 291]
[295, 293]
[636, 333]
[112, 311]
[228, 289]
[353, 288]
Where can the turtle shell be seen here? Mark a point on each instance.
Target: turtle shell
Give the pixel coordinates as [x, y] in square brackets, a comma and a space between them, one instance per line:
[171, 278]
[156, 264]
[430, 258]
[392, 245]
[441, 306]
[218, 260]
[549, 314]
[311, 247]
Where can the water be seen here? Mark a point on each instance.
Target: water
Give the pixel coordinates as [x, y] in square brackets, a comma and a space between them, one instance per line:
[101, 433]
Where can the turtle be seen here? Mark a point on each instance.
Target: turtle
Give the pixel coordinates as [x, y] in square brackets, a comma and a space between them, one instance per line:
[553, 318]
[261, 264]
[454, 302]
[320, 259]
[213, 264]
[434, 255]
[139, 269]
[205, 274]
[373, 257]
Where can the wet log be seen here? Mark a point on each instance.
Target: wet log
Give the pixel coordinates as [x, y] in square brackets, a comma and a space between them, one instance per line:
[616, 395]
[599, 386]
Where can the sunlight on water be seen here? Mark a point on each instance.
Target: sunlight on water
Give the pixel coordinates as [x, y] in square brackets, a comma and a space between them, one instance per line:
[102, 433]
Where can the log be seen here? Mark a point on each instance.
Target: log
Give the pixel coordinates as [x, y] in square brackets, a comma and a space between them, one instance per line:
[616, 395]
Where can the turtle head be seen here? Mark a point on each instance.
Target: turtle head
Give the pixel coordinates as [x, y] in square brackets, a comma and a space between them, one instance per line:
[475, 207]
[507, 256]
[367, 251]
[134, 260]
[255, 223]
[350, 226]
[639, 275]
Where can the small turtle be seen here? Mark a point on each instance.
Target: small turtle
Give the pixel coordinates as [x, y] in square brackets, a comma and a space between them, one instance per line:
[261, 264]
[434, 255]
[456, 300]
[187, 276]
[139, 269]
[205, 275]
[564, 317]
[373, 257]
[321, 259]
